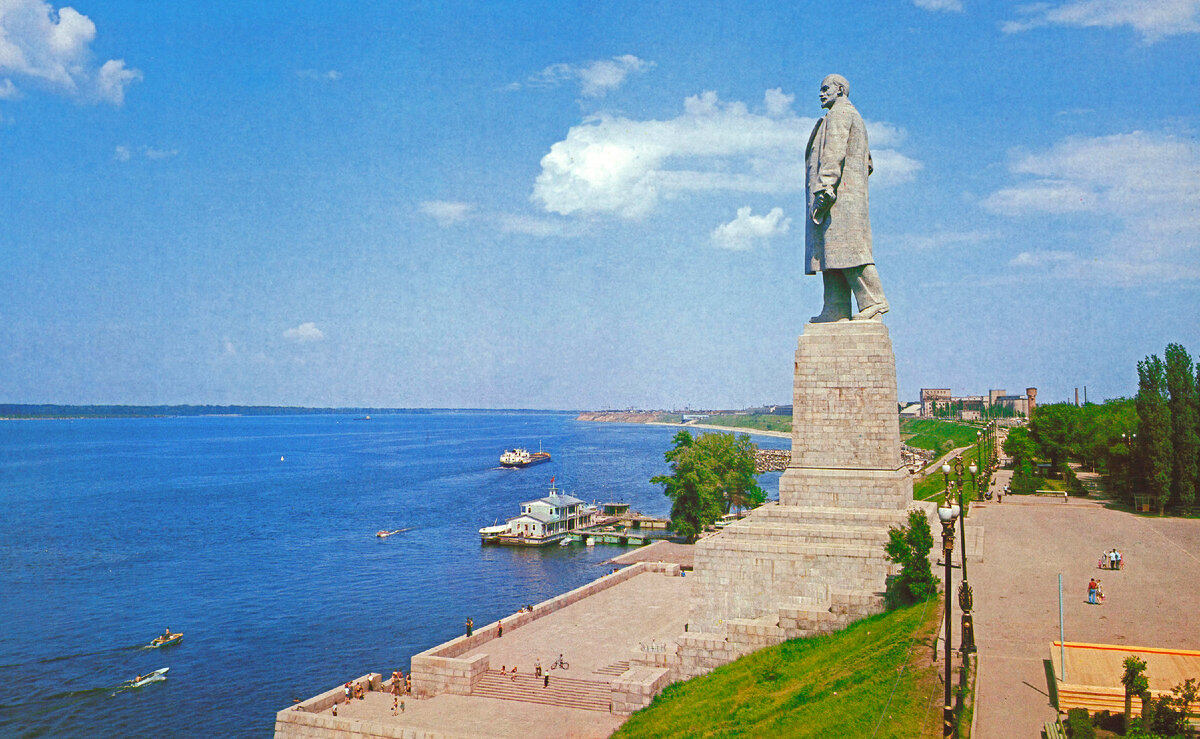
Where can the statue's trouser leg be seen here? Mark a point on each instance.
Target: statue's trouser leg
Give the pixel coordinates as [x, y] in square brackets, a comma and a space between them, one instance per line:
[864, 281]
[837, 296]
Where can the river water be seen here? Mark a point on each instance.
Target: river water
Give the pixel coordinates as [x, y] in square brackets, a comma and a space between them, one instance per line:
[255, 537]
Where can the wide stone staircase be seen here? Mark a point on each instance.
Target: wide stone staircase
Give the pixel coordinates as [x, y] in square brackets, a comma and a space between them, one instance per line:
[567, 692]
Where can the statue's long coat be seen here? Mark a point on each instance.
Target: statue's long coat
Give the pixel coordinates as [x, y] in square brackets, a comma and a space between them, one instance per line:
[838, 162]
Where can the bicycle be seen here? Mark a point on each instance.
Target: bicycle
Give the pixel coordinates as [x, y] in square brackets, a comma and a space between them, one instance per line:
[560, 662]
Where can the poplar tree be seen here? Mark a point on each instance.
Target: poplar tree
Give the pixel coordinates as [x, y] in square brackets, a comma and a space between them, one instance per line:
[1154, 431]
[1181, 388]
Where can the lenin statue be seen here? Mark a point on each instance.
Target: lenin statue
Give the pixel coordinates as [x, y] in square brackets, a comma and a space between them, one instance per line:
[837, 237]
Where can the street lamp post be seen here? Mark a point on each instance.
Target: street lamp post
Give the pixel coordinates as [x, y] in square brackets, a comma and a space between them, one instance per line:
[1130, 471]
[965, 601]
[947, 512]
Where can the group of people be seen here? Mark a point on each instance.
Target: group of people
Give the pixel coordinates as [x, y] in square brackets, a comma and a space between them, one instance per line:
[354, 690]
[401, 683]
[537, 672]
[1110, 560]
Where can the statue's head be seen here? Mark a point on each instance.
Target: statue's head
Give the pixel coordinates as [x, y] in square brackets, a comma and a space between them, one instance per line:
[834, 86]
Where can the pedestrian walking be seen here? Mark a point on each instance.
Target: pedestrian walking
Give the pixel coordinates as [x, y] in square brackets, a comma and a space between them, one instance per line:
[470, 625]
[1092, 591]
[395, 705]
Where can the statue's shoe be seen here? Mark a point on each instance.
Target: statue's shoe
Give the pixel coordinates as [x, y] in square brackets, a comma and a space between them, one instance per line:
[829, 318]
[871, 311]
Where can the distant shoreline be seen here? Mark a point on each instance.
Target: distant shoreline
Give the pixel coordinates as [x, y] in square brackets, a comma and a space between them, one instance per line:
[776, 434]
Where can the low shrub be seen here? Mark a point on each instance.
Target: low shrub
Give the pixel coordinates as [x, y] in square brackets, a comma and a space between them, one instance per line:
[1079, 724]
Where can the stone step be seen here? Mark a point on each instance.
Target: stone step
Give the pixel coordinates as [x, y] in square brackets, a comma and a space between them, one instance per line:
[566, 692]
[808, 531]
[615, 669]
[778, 546]
[832, 515]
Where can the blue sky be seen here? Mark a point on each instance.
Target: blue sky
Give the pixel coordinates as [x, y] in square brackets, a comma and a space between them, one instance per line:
[580, 205]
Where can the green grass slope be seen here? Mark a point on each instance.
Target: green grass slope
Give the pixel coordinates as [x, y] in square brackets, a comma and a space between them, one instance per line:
[874, 679]
[929, 433]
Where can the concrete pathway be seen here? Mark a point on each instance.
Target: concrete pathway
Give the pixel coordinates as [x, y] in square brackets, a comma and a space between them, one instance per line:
[1154, 601]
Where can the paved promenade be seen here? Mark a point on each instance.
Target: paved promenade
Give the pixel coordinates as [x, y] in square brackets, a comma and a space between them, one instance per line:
[594, 636]
[1027, 542]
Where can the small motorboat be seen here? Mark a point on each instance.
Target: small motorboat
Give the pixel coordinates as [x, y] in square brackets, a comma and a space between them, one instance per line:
[140, 680]
[166, 640]
[383, 533]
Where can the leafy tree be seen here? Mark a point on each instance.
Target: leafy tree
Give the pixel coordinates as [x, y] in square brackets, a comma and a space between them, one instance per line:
[1181, 389]
[709, 474]
[1135, 682]
[734, 464]
[1051, 427]
[1154, 431]
[909, 547]
[1020, 447]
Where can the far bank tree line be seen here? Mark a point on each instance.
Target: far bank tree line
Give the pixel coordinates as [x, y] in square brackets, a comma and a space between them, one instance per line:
[1147, 447]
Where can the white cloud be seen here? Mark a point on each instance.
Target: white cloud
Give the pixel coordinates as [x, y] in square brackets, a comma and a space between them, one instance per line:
[955, 6]
[331, 75]
[447, 212]
[51, 48]
[530, 226]
[935, 240]
[1153, 19]
[8, 91]
[112, 80]
[595, 78]
[621, 166]
[741, 233]
[778, 103]
[1042, 258]
[124, 153]
[1142, 186]
[304, 333]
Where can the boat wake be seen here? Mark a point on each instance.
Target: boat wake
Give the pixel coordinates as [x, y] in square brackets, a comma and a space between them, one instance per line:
[73, 656]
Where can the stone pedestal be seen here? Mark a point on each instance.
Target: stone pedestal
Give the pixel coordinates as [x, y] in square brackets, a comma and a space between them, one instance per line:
[845, 420]
[815, 562]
